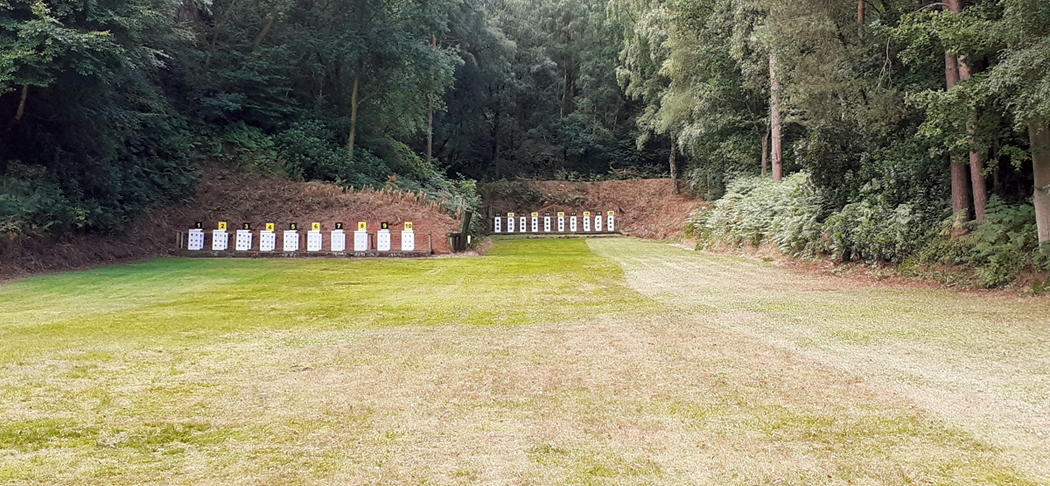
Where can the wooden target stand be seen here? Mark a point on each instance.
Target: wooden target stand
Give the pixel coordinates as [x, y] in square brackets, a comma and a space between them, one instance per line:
[573, 225]
[291, 243]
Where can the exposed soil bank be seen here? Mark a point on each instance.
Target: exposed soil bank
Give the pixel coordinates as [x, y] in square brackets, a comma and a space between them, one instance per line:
[228, 194]
[646, 208]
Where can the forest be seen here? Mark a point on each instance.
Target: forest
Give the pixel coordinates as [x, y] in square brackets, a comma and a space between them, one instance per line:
[903, 131]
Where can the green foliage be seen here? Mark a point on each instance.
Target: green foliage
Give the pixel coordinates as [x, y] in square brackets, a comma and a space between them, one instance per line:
[791, 215]
[998, 249]
[756, 210]
[877, 232]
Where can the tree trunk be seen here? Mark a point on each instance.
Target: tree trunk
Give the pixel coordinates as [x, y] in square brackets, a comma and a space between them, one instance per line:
[860, 17]
[774, 120]
[353, 117]
[495, 139]
[266, 29]
[960, 189]
[674, 167]
[765, 148]
[980, 187]
[430, 113]
[430, 130]
[1039, 137]
[22, 104]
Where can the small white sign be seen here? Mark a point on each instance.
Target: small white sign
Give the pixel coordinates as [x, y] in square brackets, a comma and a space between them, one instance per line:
[314, 241]
[497, 226]
[535, 224]
[561, 223]
[220, 241]
[510, 224]
[244, 240]
[586, 222]
[291, 240]
[609, 222]
[408, 240]
[361, 240]
[572, 224]
[196, 240]
[267, 241]
[383, 240]
[521, 227]
[546, 224]
[338, 240]
[598, 222]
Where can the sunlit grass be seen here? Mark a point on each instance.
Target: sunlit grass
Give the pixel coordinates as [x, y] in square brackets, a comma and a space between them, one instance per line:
[541, 363]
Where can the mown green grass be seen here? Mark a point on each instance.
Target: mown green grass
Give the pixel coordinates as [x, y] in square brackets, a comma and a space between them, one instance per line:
[173, 302]
[537, 364]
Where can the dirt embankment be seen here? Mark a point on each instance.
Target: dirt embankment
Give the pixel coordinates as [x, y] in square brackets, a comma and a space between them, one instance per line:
[646, 208]
[230, 195]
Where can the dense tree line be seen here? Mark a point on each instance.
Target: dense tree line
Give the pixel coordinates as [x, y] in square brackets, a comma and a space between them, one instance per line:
[934, 109]
[903, 115]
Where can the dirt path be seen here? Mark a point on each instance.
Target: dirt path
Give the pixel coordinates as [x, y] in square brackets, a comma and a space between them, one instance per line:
[979, 362]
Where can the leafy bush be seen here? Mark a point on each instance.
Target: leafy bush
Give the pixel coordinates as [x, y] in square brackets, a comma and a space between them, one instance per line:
[877, 232]
[756, 209]
[999, 248]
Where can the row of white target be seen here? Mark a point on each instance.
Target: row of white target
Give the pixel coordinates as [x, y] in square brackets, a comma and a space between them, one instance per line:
[518, 224]
[290, 240]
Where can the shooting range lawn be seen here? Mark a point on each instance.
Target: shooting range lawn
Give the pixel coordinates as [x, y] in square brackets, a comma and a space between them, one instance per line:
[603, 361]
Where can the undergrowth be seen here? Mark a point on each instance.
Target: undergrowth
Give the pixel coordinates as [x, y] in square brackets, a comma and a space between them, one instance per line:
[793, 216]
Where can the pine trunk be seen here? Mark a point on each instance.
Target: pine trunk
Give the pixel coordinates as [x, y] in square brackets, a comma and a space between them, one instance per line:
[674, 167]
[22, 104]
[1039, 137]
[960, 186]
[774, 120]
[980, 187]
[860, 18]
[430, 130]
[765, 148]
[353, 117]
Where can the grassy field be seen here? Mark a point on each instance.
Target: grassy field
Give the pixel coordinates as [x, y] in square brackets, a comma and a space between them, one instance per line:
[612, 361]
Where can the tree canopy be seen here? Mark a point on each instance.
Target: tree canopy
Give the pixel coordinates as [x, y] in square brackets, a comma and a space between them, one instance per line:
[937, 106]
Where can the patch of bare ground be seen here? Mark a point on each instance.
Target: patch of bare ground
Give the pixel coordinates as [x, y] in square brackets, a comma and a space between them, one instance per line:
[234, 195]
[979, 362]
[646, 208]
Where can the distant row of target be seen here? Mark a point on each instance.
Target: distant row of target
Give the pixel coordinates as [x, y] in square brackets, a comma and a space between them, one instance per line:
[520, 224]
[290, 238]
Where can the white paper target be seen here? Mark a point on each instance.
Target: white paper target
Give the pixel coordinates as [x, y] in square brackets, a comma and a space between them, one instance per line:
[244, 240]
[291, 241]
[408, 240]
[220, 241]
[360, 240]
[510, 225]
[338, 240]
[598, 223]
[535, 224]
[267, 241]
[586, 224]
[314, 241]
[561, 224]
[521, 227]
[383, 240]
[546, 224]
[196, 240]
[572, 224]
[609, 222]
[497, 226]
